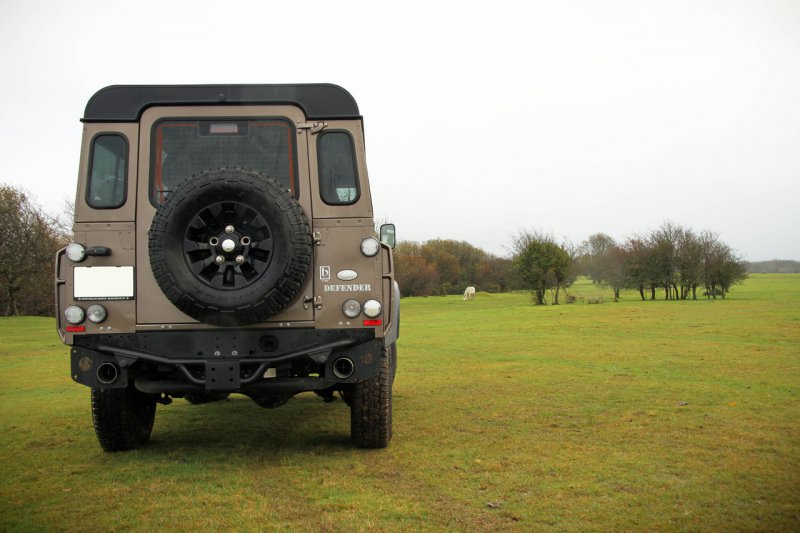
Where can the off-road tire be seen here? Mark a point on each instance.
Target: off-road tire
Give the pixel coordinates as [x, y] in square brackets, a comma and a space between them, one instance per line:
[393, 360]
[198, 398]
[123, 418]
[371, 407]
[277, 256]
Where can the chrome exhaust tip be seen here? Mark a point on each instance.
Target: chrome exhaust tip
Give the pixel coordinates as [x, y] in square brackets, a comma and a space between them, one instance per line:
[107, 373]
[343, 367]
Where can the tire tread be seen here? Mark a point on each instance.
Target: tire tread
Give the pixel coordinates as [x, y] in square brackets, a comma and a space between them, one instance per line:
[122, 418]
[371, 407]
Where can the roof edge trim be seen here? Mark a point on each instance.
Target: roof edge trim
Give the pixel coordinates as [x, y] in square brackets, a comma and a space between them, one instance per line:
[126, 103]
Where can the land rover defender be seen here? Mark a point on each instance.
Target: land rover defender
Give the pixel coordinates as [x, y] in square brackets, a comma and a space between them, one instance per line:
[224, 243]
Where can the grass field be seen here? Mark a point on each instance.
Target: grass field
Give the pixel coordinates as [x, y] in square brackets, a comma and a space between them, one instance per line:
[507, 416]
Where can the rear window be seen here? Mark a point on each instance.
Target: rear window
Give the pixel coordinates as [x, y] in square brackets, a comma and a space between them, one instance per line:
[183, 148]
[108, 172]
[338, 179]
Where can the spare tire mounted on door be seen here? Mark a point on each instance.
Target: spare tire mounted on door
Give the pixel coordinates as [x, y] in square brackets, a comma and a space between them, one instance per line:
[230, 246]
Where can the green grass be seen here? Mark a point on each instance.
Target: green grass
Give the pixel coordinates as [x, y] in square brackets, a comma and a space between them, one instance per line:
[617, 416]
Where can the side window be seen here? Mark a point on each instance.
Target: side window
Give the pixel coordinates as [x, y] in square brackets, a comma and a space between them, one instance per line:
[108, 172]
[338, 178]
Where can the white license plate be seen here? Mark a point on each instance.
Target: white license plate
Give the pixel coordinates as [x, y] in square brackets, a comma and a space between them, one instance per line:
[104, 283]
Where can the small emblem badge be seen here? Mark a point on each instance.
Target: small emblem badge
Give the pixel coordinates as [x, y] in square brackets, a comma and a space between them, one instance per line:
[347, 275]
[325, 273]
[85, 364]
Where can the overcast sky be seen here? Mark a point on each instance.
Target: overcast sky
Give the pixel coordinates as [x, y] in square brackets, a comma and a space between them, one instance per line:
[482, 118]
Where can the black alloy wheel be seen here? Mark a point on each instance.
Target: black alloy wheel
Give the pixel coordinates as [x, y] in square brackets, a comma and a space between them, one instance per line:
[230, 247]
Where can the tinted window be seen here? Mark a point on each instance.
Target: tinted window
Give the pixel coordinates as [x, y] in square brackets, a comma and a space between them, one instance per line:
[107, 172]
[338, 179]
[183, 148]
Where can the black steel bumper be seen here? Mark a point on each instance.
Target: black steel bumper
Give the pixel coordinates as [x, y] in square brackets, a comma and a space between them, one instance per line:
[225, 360]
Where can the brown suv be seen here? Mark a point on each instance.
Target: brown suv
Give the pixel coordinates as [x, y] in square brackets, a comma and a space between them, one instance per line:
[224, 242]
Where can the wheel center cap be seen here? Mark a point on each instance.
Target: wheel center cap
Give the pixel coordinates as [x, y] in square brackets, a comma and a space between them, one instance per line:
[228, 245]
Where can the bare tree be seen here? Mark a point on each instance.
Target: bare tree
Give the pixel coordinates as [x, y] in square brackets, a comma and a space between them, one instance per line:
[34, 237]
[663, 249]
[689, 262]
[596, 247]
[615, 268]
[722, 267]
[640, 266]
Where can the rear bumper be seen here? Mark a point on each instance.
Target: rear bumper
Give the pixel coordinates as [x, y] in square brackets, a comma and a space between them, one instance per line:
[225, 360]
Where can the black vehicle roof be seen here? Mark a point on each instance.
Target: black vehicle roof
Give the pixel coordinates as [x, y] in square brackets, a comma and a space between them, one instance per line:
[125, 103]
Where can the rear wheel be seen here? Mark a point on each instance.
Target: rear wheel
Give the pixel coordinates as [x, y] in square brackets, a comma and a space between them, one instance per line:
[123, 418]
[371, 406]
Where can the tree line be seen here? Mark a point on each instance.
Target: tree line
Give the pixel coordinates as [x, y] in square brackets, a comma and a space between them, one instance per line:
[441, 266]
[31, 239]
[672, 261]
[774, 266]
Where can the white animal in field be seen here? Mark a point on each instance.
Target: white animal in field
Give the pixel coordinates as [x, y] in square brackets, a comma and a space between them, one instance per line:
[469, 294]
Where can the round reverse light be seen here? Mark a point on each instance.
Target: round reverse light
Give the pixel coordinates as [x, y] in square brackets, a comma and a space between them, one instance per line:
[370, 246]
[96, 313]
[74, 314]
[76, 252]
[372, 308]
[351, 308]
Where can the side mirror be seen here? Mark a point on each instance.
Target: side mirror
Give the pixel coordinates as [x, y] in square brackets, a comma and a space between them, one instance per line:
[387, 235]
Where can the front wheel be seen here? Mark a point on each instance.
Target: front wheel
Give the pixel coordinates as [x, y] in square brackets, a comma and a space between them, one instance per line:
[123, 418]
[371, 406]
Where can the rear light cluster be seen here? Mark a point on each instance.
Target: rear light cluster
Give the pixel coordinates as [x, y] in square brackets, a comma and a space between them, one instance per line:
[370, 308]
[75, 315]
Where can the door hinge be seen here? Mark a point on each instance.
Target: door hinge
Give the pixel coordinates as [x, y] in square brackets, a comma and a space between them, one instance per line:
[317, 237]
[316, 301]
[312, 127]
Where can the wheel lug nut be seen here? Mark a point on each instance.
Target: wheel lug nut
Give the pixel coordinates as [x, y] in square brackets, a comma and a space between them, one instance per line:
[219, 260]
[239, 259]
[229, 229]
